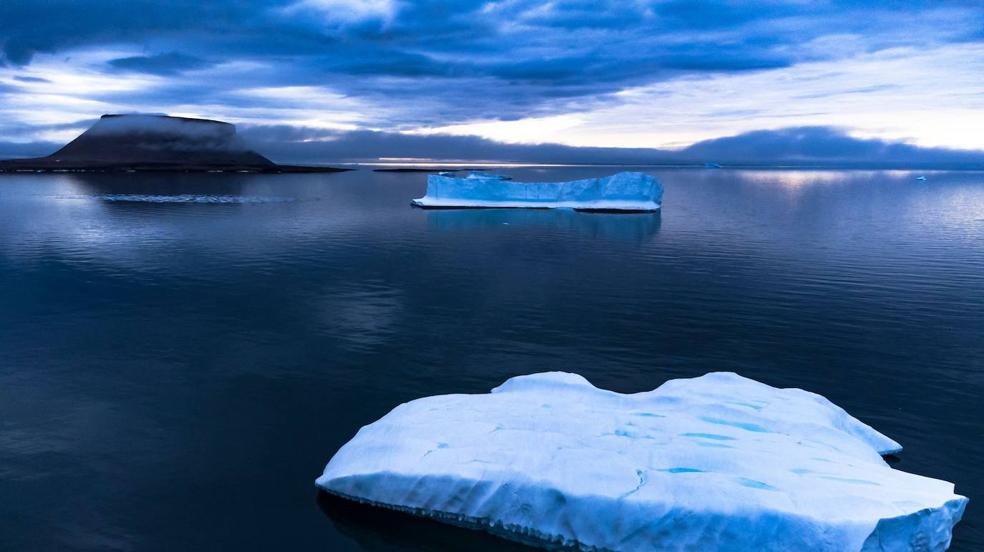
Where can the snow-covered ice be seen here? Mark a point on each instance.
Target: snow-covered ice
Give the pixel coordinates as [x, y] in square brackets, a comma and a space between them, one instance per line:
[626, 191]
[718, 462]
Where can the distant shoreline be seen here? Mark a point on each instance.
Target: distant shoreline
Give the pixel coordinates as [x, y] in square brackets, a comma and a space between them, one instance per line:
[32, 166]
[11, 167]
[455, 166]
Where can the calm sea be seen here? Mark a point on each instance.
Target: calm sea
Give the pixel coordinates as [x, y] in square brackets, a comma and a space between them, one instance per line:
[181, 355]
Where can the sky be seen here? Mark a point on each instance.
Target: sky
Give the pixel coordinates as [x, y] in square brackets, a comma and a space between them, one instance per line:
[318, 79]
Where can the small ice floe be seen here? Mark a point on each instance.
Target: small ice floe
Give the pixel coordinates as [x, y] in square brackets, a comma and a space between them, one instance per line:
[920, 177]
[718, 462]
[622, 192]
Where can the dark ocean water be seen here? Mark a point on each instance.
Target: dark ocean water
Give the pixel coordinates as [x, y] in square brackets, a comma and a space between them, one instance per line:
[180, 355]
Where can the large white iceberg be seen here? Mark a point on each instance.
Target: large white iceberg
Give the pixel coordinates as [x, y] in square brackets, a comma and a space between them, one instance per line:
[718, 462]
[626, 191]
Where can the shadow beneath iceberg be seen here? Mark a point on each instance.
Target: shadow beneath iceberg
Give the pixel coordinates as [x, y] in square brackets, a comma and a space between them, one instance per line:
[628, 227]
[375, 528]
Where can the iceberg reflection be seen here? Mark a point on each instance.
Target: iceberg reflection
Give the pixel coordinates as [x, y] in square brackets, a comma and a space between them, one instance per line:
[636, 228]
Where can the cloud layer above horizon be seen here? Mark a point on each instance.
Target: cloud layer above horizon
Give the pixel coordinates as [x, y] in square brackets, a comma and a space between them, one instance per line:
[628, 74]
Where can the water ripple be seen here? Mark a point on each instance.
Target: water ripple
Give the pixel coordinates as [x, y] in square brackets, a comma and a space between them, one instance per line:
[150, 338]
[183, 198]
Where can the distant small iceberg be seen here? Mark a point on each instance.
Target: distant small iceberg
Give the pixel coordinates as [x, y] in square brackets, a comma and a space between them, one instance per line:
[622, 192]
[920, 177]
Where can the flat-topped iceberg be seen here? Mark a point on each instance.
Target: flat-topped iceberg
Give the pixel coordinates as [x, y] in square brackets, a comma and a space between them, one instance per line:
[718, 462]
[626, 191]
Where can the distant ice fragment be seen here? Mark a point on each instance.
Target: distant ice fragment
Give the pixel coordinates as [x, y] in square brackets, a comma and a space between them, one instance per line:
[626, 191]
[718, 462]
[920, 177]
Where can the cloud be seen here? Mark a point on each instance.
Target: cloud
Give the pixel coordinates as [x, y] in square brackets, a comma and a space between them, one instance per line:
[18, 150]
[170, 63]
[346, 12]
[892, 94]
[24, 78]
[619, 66]
[32, 27]
[825, 145]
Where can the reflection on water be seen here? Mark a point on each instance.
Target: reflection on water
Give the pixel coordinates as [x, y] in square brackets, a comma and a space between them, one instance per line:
[181, 198]
[635, 227]
[164, 184]
[199, 361]
[361, 314]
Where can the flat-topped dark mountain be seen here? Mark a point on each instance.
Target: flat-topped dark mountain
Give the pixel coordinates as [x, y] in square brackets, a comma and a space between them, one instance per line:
[156, 143]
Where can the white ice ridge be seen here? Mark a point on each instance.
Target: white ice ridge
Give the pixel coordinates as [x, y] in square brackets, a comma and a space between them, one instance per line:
[714, 463]
[626, 191]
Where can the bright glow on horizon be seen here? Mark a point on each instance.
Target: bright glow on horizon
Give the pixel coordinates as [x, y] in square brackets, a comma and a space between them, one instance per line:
[535, 130]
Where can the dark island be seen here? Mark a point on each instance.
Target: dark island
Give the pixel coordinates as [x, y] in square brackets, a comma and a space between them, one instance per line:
[139, 142]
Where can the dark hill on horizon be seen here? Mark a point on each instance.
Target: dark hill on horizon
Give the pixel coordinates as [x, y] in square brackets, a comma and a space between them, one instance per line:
[152, 142]
[791, 147]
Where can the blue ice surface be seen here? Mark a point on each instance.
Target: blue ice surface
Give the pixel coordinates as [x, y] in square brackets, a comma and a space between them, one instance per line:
[625, 191]
[590, 473]
[740, 425]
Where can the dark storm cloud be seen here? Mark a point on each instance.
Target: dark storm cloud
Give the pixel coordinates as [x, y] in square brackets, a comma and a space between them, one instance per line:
[822, 146]
[31, 27]
[471, 59]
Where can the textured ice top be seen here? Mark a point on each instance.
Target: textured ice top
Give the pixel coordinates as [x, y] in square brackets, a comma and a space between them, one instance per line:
[626, 191]
[718, 462]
